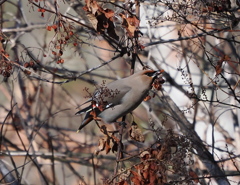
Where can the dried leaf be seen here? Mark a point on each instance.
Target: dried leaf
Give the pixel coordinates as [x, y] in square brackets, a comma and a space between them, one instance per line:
[101, 19]
[194, 176]
[93, 20]
[114, 147]
[136, 133]
[152, 177]
[218, 67]
[101, 146]
[154, 153]
[145, 155]
[107, 146]
[122, 183]
[165, 150]
[145, 173]
[91, 6]
[123, 176]
[131, 24]
[136, 179]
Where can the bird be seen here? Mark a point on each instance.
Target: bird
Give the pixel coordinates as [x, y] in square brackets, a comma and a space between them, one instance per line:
[118, 98]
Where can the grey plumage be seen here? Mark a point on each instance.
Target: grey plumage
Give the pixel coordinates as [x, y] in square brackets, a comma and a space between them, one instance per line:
[119, 97]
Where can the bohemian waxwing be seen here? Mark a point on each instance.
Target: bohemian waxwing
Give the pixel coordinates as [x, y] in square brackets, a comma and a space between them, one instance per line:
[118, 98]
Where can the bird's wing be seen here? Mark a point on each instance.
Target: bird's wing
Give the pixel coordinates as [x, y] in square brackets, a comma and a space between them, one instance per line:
[118, 90]
[87, 109]
[117, 96]
[87, 119]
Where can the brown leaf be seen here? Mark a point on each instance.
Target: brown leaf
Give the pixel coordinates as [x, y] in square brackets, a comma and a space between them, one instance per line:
[154, 153]
[101, 146]
[106, 23]
[122, 183]
[107, 146]
[226, 58]
[145, 155]
[164, 152]
[115, 147]
[136, 133]
[101, 19]
[133, 21]
[91, 6]
[136, 179]
[145, 174]
[194, 176]
[93, 20]
[218, 67]
[131, 24]
[108, 13]
[152, 177]
[123, 176]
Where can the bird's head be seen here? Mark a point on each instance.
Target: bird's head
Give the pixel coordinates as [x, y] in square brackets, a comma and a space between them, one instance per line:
[151, 74]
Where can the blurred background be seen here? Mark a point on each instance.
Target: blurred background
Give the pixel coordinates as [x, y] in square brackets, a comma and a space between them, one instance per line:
[54, 53]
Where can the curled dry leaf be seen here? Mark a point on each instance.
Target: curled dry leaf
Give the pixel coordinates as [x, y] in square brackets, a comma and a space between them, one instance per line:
[101, 146]
[131, 24]
[108, 145]
[218, 67]
[116, 142]
[136, 178]
[145, 155]
[91, 6]
[101, 19]
[123, 176]
[136, 133]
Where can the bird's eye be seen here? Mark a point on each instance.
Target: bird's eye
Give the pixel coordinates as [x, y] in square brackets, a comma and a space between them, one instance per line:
[150, 73]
